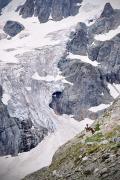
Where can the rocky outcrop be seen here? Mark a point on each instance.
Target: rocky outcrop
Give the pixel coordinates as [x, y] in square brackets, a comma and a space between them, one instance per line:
[88, 82]
[56, 9]
[109, 19]
[17, 136]
[85, 92]
[78, 44]
[108, 11]
[12, 28]
[88, 156]
[107, 54]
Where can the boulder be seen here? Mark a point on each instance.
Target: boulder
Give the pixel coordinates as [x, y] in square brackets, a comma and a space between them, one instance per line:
[12, 28]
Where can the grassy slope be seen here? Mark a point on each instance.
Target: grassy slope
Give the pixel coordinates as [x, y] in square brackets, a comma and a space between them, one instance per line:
[88, 156]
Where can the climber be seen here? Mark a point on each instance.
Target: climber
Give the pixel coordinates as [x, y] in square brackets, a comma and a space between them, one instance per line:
[89, 129]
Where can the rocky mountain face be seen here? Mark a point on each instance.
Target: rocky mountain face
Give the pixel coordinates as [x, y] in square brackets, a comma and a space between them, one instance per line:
[17, 136]
[89, 81]
[86, 85]
[88, 156]
[45, 9]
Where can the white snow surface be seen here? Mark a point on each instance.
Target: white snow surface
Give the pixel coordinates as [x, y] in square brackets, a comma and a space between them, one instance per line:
[15, 168]
[84, 59]
[5, 98]
[114, 90]
[107, 36]
[50, 78]
[99, 107]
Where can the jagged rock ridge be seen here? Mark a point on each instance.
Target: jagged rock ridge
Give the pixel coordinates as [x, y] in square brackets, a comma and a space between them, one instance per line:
[56, 9]
[89, 82]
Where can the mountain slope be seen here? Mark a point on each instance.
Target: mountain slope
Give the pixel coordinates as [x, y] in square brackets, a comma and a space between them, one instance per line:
[61, 64]
[88, 156]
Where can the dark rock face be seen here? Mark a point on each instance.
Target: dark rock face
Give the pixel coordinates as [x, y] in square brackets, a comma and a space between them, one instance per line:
[89, 82]
[3, 3]
[58, 9]
[108, 10]
[28, 9]
[85, 92]
[12, 28]
[108, 55]
[109, 19]
[78, 44]
[17, 136]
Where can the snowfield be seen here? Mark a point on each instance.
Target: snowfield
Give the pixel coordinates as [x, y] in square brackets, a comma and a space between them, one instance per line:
[37, 36]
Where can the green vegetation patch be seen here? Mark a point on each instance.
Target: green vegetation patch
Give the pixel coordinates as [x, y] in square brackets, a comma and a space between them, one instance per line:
[95, 138]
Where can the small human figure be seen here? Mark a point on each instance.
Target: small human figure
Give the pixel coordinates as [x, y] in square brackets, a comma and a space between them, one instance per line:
[89, 129]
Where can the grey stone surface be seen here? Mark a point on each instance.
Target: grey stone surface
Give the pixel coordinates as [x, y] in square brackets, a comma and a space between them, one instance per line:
[17, 136]
[109, 19]
[12, 28]
[108, 55]
[78, 44]
[85, 92]
[58, 9]
[89, 82]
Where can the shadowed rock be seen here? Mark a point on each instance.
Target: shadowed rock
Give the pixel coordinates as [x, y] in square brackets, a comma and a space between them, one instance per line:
[43, 9]
[12, 28]
[108, 10]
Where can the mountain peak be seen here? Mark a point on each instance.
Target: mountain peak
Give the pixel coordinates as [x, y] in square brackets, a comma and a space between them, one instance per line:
[108, 10]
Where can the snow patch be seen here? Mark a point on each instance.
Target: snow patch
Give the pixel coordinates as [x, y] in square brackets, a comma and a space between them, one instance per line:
[99, 107]
[83, 59]
[114, 90]
[6, 98]
[50, 78]
[28, 88]
[107, 36]
[7, 57]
